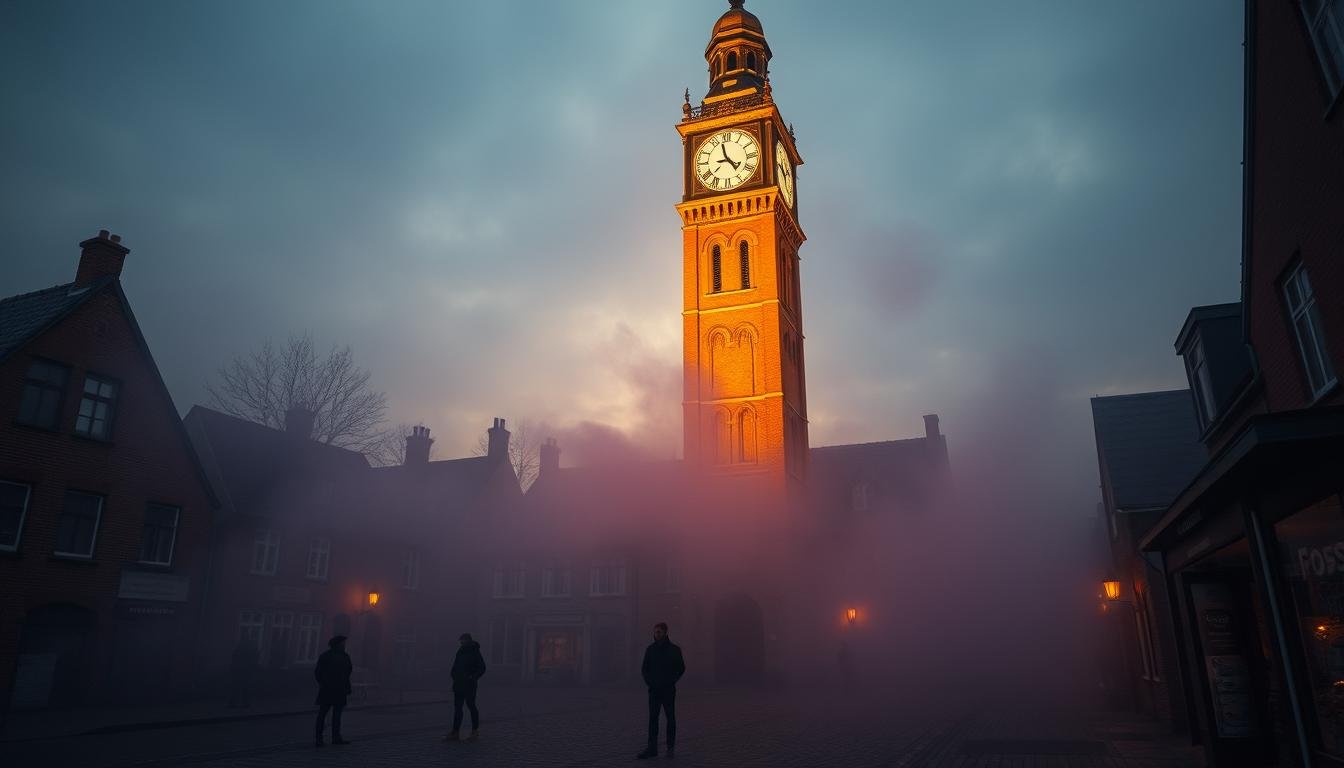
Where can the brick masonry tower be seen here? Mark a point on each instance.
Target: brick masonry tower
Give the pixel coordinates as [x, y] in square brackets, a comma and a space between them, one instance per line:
[744, 390]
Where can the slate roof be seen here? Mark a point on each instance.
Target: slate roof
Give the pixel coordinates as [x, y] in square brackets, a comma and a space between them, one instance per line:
[24, 316]
[1148, 446]
[897, 471]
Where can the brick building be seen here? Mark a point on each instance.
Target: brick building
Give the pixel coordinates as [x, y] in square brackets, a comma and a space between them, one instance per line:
[105, 515]
[308, 533]
[1252, 549]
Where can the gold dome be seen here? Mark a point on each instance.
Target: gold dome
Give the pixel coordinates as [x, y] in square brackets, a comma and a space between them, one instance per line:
[737, 18]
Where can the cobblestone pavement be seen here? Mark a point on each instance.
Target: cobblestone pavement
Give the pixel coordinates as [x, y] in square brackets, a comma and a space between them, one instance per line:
[595, 728]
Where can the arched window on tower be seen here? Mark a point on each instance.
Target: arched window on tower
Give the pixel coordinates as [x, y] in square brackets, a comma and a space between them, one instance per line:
[715, 67]
[744, 264]
[732, 60]
[746, 437]
[716, 268]
[751, 60]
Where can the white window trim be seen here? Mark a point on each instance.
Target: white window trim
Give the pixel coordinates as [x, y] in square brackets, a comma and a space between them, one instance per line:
[93, 539]
[503, 568]
[172, 545]
[558, 573]
[594, 580]
[320, 547]
[300, 653]
[23, 515]
[1318, 347]
[1196, 362]
[265, 538]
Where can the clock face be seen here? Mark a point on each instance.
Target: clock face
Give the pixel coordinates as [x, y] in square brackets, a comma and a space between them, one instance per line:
[784, 173]
[726, 160]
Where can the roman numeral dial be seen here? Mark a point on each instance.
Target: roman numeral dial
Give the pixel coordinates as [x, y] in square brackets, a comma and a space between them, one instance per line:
[727, 160]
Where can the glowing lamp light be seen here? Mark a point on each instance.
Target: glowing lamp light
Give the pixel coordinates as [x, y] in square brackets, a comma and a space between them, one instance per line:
[373, 599]
[1112, 588]
[851, 615]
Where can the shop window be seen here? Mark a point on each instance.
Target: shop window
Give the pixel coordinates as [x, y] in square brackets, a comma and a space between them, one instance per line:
[1311, 546]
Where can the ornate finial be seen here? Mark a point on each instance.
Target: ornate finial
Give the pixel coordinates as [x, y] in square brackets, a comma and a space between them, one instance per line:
[686, 105]
[766, 90]
[736, 4]
[791, 136]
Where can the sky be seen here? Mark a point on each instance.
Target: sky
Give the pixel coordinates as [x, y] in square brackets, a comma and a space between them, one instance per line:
[1010, 207]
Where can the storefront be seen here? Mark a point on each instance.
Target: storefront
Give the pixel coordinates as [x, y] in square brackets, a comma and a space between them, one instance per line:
[1253, 555]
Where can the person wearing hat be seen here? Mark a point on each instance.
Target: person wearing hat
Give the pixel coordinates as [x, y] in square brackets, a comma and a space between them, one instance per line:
[333, 686]
[468, 666]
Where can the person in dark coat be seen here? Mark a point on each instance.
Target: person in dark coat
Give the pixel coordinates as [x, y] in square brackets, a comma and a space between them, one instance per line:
[333, 686]
[662, 668]
[468, 666]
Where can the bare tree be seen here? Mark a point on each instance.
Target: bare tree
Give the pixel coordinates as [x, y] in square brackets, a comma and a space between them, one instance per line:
[262, 385]
[523, 453]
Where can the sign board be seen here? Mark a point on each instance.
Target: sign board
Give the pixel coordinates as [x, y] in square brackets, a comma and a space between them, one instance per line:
[1225, 664]
[148, 585]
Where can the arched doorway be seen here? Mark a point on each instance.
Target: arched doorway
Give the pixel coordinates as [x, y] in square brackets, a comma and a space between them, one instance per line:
[54, 645]
[739, 641]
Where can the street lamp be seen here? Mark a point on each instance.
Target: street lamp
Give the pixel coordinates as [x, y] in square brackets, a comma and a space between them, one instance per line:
[1112, 588]
[851, 615]
[373, 599]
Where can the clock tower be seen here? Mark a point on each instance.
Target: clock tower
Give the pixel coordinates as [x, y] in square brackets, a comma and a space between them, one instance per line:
[744, 389]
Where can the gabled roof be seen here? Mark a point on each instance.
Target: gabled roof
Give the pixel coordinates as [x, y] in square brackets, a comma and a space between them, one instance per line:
[1148, 446]
[253, 464]
[26, 315]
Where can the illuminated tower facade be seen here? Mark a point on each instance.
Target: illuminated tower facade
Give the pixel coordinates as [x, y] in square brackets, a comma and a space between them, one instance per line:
[744, 390]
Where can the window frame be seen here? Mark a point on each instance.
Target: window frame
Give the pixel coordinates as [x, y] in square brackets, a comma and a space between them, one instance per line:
[321, 548]
[609, 567]
[302, 653]
[93, 536]
[97, 398]
[716, 269]
[557, 573]
[172, 541]
[244, 626]
[1325, 15]
[42, 384]
[1201, 381]
[1308, 310]
[263, 537]
[501, 581]
[744, 264]
[23, 515]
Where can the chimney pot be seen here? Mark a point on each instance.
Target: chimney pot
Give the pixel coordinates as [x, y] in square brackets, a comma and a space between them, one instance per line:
[102, 233]
[497, 441]
[931, 425]
[116, 238]
[100, 257]
[417, 446]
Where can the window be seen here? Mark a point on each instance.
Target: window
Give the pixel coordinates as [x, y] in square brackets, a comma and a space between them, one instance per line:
[13, 508]
[251, 624]
[1306, 319]
[277, 647]
[1197, 369]
[751, 60]
[265, 552]
[555, 580]
[78, 526]
[410, 569]
[156, 544]
[43, 388]
[310, 638]
[319, 558]
[744, 263]
[506, 640]
[510, 579]
[1325, 19]
[732, 60]
[96, 408]
[608, 577]
[716, 262]
[859, 496]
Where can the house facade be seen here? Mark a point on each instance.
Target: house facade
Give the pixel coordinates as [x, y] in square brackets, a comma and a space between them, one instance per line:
[1251, 548]
[105, 515]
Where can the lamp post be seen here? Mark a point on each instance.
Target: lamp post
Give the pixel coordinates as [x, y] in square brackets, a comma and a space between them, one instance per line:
[851, 615]
[1111, 588]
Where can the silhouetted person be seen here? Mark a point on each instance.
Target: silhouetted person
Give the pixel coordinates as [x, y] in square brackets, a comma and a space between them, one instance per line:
[662, 668]
[242, 666]
[333, 686]
[468, 666]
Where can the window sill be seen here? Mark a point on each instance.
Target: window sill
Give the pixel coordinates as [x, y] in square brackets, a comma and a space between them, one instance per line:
[107, 441]
[748, 289]
[145, 565]
[52, 430]
[66, 557]
[260, 573]
[1324, 393]
[10, 552]
[608, 594]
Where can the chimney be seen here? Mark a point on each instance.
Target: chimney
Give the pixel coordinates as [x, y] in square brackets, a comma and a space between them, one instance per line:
[417, 446]
[931, 425]
[299, 422]
[498, 442]
[101, 256]
[550, 457]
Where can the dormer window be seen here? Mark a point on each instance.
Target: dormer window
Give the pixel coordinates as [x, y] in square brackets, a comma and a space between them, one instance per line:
[1326, 22]
[1306, 320]
[1201, 382]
